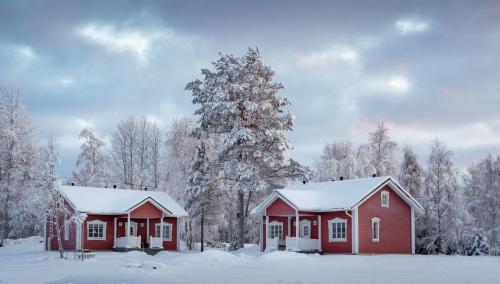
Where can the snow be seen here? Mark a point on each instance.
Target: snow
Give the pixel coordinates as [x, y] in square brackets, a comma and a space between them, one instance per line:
[24, 261]
[116, 201]
[332, 195]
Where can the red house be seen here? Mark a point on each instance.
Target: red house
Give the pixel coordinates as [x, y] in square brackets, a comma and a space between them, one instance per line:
[369, 215]
[118, 219]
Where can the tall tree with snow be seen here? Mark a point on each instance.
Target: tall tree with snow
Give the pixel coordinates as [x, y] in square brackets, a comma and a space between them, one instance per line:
[239, 101]
[482, 193]
[93, 163]
[411, 174]
[440, 201]
[338, 160]
[381, 151]
[18, 156]
[123, 146]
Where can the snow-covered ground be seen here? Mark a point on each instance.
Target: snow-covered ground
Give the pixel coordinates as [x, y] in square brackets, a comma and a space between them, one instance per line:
[23, 261]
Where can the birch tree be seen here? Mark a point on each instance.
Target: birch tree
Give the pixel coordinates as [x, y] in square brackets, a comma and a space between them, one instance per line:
[381, 151]
[93, 163]
[411, 173]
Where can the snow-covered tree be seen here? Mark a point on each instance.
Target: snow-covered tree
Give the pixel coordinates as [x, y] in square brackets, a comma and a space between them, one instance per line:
[239, 101]
[381, 151]
[411, 174]
[123, 145]
[18, 156]
[482, 194]
[93, 163]
[338, 160]
[439, 225]
[155, 156]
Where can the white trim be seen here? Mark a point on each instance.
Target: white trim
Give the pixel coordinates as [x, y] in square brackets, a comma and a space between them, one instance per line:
[277, 223]
[133, 225]
[177, 234]
[412, 231]
[114, 232]
[66, 230]
[319, 232]
[376, 220]
[262, 207]
[305, 223]
[97, 222]
[354, 233]
[165, 224]
[289, 228]
[78, 237]
[155, 203]
[148, 234]
[385, 193]
[337, 220]
[297, 225]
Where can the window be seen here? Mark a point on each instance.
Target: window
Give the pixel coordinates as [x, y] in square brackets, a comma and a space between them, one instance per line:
[384, 197]
[96, 230]
[66, 230]
[167, 231]
[133, 228]
[276, 230]
[375, 229]
[337, 230]
[305, 229]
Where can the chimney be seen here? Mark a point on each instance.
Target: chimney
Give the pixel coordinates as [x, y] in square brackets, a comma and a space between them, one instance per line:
[341, 178]
[333, 179]
[304, 181]
[374, 175]
[145, 189]
[72, 184]
[114, 186]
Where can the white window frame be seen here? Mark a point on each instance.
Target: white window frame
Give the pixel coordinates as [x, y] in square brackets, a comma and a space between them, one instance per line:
[337, 221]
[386, 195]
[377, 221]
[302, 225]
[97, 222]
[280, 232]
[165, 224]
[66, 230]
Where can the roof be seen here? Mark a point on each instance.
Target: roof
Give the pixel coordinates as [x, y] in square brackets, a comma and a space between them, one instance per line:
[116, 201]
[333, 195]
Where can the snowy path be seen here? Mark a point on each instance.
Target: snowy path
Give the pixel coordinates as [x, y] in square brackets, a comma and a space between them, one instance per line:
[25, 263]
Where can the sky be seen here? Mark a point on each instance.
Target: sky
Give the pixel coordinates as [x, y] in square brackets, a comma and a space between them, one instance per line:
[428, 69]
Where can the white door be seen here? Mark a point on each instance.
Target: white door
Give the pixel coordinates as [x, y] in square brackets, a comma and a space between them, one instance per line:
[133, 228]
[305, 229]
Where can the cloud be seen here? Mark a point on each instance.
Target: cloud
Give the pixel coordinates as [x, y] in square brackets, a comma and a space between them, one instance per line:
[329, 57]
[412, 26]
[25, 57]
[399, 84]
[82, 124]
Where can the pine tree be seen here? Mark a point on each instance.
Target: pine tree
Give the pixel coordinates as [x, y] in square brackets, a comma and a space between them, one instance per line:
[239, 102]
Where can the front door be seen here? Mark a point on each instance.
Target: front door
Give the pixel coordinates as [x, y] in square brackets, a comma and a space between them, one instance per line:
[305, 229]
[133, 228]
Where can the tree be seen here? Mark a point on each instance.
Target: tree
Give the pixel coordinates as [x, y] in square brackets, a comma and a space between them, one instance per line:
[482, 194]
[93, 163]
[411, 173]
[155, 156]
[123, 145]
[336, 161]
[18, 156]
[381, 151]
[238, 100]
[58, 214]
[440, 201]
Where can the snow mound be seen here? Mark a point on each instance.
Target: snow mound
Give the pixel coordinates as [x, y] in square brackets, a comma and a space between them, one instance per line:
[29, 243]
[209, 257]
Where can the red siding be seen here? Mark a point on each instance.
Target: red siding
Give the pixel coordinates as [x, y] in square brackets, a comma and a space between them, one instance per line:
[146, 210]
[335, 247]
[395, 224]
[279, 207]
[106, 244]
[52, 235]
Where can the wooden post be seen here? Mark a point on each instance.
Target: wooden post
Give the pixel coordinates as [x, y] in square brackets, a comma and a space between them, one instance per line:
[161, 227]
[114, 234]
[128, 228]
[267, 230]
[297, 229]
[319, 232]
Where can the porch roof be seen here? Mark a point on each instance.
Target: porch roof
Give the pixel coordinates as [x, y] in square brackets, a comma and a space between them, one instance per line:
[117, 201]
[333, 195]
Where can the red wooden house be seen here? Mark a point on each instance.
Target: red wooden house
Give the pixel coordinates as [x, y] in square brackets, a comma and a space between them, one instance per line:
[370, 215]
[118, 219]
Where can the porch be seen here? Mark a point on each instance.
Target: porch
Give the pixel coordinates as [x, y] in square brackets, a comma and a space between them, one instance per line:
[298, 232]
[141, 233]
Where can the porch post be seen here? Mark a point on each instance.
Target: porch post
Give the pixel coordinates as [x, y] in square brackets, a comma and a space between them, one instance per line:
[297, 229]
[161, 227]
[319, 232]
[147, 230]
[267, 230]
[289, 234]
[128, 228]
[412, 231]
[114, 234]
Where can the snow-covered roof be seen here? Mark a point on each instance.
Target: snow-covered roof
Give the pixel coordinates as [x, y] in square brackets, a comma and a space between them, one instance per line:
[116, 201]
[332, 195]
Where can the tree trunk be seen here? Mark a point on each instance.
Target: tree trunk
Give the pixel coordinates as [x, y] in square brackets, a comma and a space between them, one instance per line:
[202, 239]
[5, 219]
[59, 241]
[241, 231]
